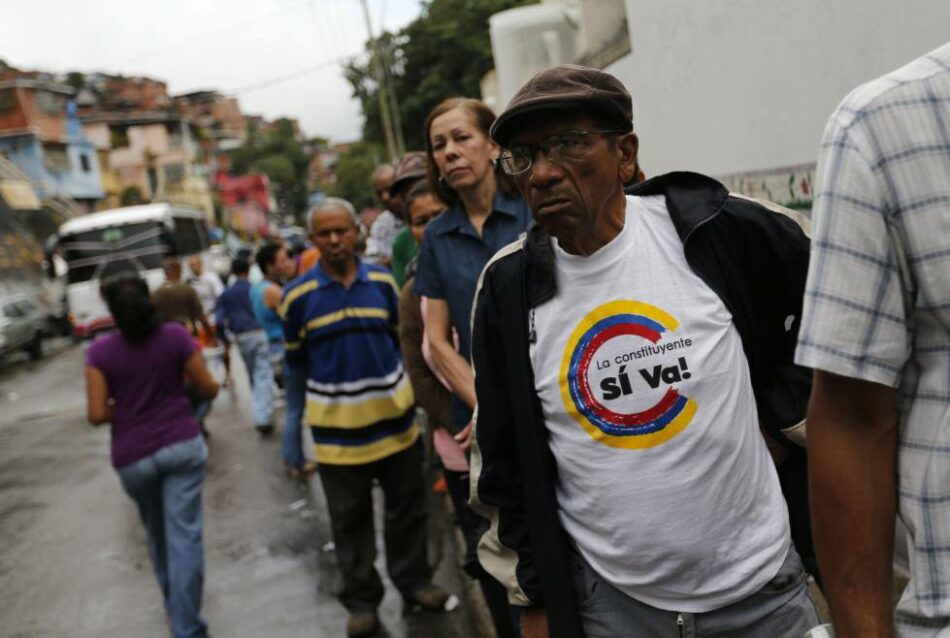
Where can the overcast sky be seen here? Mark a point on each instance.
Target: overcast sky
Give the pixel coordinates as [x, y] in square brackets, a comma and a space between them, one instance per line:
[234, 46]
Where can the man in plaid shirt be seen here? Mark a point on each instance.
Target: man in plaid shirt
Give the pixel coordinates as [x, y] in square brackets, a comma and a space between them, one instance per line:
[876, 328]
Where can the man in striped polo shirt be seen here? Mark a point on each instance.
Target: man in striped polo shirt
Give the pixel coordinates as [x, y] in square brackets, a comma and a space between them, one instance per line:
[340, 324]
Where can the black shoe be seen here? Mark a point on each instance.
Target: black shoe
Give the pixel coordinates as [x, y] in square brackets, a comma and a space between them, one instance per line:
[362, 624]
[429, 597]
[264, 429]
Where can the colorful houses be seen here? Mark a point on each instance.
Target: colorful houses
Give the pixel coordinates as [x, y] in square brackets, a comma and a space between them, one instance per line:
[41, 133]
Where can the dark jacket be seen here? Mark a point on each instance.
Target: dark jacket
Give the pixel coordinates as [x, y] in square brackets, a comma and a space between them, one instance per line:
[434, 398]
[752, 254]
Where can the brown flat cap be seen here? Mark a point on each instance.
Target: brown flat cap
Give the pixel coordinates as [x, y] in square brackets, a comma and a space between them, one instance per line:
[410, 167]
[568, 87]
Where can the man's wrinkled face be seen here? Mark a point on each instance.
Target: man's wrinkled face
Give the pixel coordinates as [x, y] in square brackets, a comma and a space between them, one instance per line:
[570, 194]
[335, 236]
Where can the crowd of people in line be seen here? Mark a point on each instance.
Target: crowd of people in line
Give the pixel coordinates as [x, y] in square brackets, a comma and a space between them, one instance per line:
[615, 374]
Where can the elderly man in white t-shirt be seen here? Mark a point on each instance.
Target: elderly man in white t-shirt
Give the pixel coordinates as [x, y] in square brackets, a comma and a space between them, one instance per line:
[629, 353]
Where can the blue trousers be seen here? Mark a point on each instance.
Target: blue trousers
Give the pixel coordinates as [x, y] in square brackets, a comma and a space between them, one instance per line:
[166, 487]
[295, 391]
[255, 352]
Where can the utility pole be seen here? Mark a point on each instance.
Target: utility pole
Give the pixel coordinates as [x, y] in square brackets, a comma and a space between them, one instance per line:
[381, 96]
[394, 104]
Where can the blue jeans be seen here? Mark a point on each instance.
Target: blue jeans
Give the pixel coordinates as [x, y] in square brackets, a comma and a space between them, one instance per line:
[166, 487]
[254, 351]
[295, 389]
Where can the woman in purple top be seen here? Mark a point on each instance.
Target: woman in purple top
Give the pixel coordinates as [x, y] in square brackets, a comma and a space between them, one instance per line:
[135, 379]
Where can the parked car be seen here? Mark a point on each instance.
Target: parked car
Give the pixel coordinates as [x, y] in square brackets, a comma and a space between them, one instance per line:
[22, 321]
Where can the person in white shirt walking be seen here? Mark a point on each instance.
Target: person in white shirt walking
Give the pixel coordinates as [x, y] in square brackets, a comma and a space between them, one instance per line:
[209, 288]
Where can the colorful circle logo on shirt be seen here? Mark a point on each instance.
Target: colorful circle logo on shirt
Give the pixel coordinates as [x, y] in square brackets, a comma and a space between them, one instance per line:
[613, 380]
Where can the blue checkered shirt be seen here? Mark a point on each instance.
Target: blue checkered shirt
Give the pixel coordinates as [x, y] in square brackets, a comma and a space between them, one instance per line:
[877, 303]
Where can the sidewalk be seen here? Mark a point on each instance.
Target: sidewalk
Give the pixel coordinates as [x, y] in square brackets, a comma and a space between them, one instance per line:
[463, 622]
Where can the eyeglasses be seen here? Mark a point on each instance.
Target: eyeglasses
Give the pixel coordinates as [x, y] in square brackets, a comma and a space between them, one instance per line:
[566, 147]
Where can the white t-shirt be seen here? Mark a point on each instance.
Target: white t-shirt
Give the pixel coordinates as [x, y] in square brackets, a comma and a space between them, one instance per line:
[665, 484]
[208, 288]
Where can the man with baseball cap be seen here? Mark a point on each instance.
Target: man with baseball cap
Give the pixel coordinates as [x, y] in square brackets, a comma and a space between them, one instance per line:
[410, 170]
[633, 353]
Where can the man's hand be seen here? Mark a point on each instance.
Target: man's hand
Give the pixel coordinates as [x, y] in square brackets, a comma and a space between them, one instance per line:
[464, 437]
[534, 623]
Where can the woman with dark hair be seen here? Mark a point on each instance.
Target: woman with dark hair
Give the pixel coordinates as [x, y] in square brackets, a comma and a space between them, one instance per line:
[484, 215]
[135, 380]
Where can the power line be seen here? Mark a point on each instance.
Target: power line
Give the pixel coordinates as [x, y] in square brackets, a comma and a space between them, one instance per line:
[342, 29]
[291, 76]
[325, 34]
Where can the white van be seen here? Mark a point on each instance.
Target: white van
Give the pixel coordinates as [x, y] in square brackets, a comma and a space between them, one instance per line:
[132, 238]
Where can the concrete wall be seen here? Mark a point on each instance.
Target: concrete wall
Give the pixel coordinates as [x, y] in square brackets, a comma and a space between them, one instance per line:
[747, 85]
[149, 138]
[98, 134]
[27, 152]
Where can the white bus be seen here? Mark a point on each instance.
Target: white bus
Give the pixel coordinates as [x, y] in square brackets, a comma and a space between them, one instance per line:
[134, 238]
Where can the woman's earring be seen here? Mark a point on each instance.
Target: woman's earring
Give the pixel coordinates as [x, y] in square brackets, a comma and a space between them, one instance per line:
[442, 182]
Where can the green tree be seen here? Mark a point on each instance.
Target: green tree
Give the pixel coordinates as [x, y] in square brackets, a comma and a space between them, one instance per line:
[354, 173]
[442, 53]
[76, 80]
[131, 196]
[279, 154]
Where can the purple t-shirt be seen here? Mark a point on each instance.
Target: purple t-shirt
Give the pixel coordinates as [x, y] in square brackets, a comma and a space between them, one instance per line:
[147, 385]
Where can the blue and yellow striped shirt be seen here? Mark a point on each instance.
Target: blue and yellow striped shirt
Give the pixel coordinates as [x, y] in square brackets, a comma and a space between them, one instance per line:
[360, 405]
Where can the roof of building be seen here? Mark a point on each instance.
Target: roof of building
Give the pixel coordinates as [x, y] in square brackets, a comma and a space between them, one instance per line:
[44, 85]
[207, 95]
[135, 117]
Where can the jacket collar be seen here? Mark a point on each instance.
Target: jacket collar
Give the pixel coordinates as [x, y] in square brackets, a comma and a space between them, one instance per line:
[691, 199]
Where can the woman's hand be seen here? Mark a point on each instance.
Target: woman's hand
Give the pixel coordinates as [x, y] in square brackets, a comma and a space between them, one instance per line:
[98, 409]
[534, 623]
[464, 437]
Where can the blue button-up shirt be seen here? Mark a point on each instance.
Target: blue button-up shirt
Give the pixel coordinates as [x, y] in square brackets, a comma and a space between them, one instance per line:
[453, 255]
[234, 308]
[451, 259]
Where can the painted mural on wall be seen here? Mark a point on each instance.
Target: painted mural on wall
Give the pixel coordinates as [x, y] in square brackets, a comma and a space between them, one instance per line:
[790, 186]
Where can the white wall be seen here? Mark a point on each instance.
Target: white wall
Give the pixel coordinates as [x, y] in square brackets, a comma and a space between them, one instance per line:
[727, 86]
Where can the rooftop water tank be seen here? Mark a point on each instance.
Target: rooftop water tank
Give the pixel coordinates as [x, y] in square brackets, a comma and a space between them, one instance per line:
[527, 40]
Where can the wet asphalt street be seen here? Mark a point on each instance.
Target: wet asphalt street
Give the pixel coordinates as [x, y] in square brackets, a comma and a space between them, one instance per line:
[73, 562]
